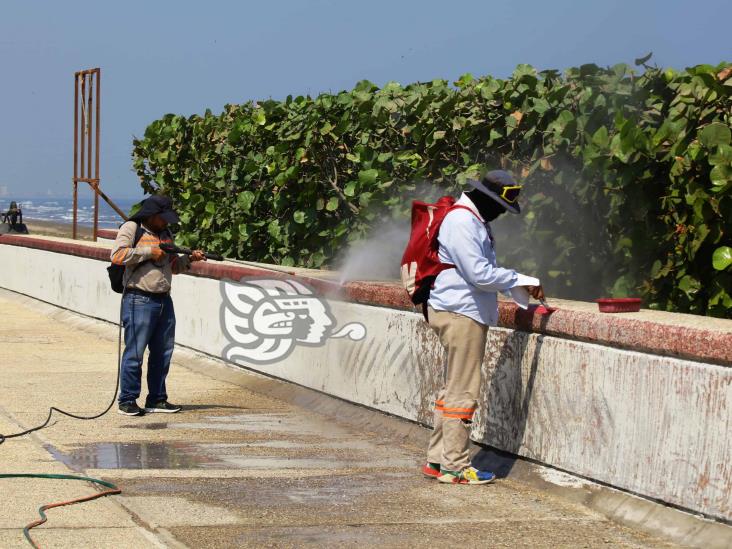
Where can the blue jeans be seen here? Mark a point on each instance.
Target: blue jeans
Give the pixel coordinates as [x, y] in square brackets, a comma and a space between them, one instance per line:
[149, 321]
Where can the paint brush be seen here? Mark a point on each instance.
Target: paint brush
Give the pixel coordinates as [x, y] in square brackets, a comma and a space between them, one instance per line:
[544, 309]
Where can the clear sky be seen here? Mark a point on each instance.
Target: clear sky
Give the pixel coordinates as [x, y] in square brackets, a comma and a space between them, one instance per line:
[183, 57]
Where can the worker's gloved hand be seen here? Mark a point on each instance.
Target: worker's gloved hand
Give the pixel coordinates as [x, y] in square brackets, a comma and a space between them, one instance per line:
[198, 255]
[157, 253]
[537, 292]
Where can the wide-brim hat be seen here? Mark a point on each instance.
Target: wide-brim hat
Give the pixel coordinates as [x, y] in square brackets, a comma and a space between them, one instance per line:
[501, 187]
[157, 204]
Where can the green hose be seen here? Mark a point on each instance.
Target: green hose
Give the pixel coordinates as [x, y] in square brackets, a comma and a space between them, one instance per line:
[112, 489]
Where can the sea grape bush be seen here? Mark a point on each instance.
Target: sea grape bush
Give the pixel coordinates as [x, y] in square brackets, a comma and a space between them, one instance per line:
[628, 176]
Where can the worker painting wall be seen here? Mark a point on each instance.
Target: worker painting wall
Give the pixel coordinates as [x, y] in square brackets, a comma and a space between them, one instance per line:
[646, 422]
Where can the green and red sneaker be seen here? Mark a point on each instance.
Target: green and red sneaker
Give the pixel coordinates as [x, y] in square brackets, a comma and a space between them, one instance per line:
[431, 470]
[469, 475]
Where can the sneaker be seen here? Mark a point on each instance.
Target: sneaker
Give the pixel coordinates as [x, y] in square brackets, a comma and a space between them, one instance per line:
[470, 475]
[130, 409]
[163, 406]
[431, 470]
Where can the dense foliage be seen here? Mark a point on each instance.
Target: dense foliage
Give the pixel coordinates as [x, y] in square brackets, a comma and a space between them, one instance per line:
[628, 176]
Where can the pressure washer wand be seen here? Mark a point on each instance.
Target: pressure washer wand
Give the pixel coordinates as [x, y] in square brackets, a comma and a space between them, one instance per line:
[173, 249]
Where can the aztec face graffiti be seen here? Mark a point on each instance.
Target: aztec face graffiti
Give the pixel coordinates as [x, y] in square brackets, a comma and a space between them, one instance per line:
[265, 319]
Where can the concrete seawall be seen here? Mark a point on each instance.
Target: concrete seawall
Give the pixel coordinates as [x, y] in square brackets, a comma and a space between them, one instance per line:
[637, 401]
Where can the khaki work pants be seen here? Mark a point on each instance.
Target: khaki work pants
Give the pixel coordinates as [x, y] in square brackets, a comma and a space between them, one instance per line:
[464, 340]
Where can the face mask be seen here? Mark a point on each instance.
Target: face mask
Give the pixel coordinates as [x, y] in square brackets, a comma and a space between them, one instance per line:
[488, 208]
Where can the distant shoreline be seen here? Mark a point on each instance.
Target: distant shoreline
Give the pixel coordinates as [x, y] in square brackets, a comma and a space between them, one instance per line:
[56, 215]
[57, 228]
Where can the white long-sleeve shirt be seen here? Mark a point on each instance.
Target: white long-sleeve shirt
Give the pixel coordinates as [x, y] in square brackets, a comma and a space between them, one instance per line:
[470, 288]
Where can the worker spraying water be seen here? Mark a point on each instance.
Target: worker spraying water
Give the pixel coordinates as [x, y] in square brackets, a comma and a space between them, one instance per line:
[449, 267]
[147, 308]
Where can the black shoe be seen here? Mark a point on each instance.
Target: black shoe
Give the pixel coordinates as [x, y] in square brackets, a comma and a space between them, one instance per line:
[163, 406]
[130, 409]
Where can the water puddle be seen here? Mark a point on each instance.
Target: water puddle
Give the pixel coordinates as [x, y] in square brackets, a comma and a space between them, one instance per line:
[150, 426]
[133, 455]
[281, 441]
[179, 455]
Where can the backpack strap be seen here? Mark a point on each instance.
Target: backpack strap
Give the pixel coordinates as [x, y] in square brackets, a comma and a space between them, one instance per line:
[450, 265]
[139, 231]
[461, 207]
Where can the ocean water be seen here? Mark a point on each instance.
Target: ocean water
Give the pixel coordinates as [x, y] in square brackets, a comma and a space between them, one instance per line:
[61, 210]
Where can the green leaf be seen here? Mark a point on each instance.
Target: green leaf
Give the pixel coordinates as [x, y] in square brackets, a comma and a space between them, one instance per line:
[719, 294]
[643, 60]
[299, 216]
[701, 233]
[245, 200]
[326, 128]
[368, 177]
[464, 80]
[135, 208]
[656, 268]
[259, 117]
[715, 134]
[623, 287]
[601, 138]
[565, 119]
[689, 285]
[721, 174]
[332, 204]
[364, 199]
[540, 105]
[274, 229]
[723, 155]
[350, 188]
[722, 258]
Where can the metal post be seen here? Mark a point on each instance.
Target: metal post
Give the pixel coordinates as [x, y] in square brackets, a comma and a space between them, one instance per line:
[82, 126]
[76, 147]
[76, 193]
[95, 184]
[98, 133]
[89, 127]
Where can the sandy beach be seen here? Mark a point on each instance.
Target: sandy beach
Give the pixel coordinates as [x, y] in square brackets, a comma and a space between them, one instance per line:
[55, 228]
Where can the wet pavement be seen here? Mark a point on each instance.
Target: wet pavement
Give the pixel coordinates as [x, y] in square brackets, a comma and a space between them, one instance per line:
[239, 468]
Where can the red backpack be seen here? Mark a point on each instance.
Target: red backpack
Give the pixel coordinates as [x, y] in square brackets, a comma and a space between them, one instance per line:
[420, 262]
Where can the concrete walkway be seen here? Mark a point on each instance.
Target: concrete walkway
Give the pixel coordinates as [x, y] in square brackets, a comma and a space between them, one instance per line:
[237, 468]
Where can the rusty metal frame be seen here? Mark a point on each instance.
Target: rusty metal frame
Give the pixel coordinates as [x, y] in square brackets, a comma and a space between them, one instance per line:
[87, 134]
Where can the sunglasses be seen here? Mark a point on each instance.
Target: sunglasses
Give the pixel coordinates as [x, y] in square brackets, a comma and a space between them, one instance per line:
[509, 193]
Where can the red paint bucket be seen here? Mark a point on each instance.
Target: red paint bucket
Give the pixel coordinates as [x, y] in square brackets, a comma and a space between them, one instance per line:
[619, 305]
